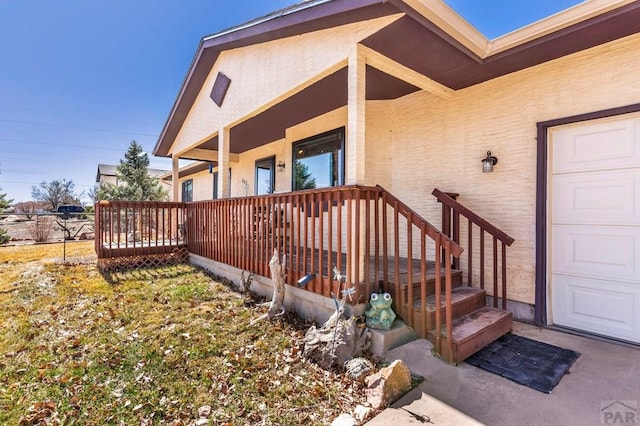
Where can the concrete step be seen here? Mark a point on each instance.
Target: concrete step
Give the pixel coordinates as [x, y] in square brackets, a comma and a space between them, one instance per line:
[399, 334]
[474, 331]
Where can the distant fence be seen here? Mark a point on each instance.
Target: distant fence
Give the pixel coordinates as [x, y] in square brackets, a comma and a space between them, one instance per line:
[45, 226]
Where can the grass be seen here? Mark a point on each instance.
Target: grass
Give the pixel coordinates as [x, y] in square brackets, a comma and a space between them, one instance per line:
[158, 346]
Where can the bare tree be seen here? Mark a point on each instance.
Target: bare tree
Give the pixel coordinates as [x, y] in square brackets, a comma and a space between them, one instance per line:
[56, 193]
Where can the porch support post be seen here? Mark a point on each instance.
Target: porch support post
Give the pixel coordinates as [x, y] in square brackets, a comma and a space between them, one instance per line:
[355, 155]
[355, 147]
[224, 141]
[175, 177]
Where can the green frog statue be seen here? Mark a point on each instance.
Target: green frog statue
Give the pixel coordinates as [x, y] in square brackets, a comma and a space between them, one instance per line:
[380, 315]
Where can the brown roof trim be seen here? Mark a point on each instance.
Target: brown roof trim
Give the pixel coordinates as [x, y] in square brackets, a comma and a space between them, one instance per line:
[312, 18]
[457, 66]
[191, 169]
[418, 17]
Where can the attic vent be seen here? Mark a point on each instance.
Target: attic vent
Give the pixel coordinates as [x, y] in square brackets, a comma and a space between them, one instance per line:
[220, 88]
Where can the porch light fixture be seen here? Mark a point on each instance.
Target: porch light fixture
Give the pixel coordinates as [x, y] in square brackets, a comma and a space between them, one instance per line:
[281, 166]
[488, 162]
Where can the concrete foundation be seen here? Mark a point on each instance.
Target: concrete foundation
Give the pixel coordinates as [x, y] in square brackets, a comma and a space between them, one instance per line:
[310, 306]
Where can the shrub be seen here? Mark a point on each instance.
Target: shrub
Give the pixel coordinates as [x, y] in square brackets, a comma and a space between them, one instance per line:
[27, 209]
[40, 230]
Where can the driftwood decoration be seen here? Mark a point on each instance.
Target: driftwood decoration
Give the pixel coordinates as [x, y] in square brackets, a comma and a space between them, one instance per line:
[277, 275]
[339, 339]
[245, 283]
[276, 307]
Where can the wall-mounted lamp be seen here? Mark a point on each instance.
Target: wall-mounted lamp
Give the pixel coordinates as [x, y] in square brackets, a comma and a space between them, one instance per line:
[488, 162]
[281, 166]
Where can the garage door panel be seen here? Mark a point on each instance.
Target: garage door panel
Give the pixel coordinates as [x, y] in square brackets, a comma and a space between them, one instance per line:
[597, 198]
[610, 253]
[583, 303]
[595, 226]
[600, 146]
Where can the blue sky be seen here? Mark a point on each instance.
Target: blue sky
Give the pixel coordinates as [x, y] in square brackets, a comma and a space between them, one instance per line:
[80, 79]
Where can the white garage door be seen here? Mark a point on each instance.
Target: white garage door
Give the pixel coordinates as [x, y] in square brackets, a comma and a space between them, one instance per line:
[595, 227]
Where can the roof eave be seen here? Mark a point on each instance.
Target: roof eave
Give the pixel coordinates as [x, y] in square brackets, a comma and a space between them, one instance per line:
[275, 26]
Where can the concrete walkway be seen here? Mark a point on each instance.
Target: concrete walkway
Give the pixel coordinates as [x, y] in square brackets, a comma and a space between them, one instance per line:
[602, 385]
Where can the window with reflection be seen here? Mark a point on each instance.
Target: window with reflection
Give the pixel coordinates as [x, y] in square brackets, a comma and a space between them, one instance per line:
[265, 176]
[319, 161]
[215, 184]
[187, 191]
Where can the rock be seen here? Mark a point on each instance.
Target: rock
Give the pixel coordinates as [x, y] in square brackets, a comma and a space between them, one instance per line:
[358, 368]
[388, 384]
[344, 420]
[334, 344]
[362, 413]
[204, 411]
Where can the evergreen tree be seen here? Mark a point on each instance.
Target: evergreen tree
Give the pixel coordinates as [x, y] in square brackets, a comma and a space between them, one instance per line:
[303, 177]
[134, 182]
[4, 203]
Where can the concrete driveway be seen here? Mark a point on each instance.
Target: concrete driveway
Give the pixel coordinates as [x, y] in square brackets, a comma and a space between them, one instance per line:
[602, 387]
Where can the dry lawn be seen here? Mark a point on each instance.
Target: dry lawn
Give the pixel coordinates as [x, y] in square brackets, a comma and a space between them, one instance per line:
[154, 346]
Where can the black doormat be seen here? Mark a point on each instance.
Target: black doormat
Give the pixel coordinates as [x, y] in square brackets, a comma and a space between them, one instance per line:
[528, 362]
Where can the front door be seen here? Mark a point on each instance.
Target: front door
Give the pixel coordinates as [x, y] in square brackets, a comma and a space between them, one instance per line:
[595, 227]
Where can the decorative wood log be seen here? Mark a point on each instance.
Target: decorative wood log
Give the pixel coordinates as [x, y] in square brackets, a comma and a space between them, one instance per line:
[245, 283]
[278, 276]
[276, 307]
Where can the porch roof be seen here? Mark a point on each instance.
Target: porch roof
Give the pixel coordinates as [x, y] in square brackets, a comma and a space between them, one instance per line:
[190, 169]
[429, 29]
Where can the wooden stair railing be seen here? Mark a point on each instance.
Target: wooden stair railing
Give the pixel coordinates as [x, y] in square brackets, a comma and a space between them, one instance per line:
[451, 212]
[445, 251]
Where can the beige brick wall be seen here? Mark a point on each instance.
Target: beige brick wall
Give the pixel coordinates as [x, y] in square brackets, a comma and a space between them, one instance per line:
[439, 143]
[421, 142]
[379, 143]
[202, 185]
[270, 71]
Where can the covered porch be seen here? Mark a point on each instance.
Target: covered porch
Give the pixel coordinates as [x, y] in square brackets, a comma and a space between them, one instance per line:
[349, 241]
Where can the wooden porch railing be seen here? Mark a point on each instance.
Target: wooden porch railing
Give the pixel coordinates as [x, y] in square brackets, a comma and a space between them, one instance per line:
[368, 235]
[138, 228]
[451, 212]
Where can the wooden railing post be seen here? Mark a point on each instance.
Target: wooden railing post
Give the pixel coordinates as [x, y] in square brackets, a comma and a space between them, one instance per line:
[454, 209]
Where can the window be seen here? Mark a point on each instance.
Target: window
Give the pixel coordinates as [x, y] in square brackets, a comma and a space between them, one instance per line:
[187, 190]
[265, 176]
[319, 161]
[215, 184]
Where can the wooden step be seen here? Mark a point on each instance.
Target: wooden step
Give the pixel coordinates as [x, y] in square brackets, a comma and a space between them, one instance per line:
[474, 331]
[464, 300]
[456, 281]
